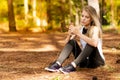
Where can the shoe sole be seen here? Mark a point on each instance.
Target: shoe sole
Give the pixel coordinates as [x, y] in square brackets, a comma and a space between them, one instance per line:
[63, 71]
[51, 70]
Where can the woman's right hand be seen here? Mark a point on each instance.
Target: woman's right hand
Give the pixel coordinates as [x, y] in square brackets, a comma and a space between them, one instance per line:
[70, 35]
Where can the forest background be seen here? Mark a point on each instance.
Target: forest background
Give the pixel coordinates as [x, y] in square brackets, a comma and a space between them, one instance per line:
[44, 15]
[32, 34]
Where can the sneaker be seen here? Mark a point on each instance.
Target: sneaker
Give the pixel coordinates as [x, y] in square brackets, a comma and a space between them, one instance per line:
[67, 69]
[54, 67]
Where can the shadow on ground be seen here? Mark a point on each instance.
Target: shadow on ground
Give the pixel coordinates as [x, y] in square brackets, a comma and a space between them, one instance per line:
[24, 57]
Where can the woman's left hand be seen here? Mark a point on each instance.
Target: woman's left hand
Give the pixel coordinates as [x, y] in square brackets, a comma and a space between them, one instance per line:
[74, 30]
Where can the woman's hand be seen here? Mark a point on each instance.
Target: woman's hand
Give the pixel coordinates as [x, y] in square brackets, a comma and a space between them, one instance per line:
[74, 30]
[70, 35]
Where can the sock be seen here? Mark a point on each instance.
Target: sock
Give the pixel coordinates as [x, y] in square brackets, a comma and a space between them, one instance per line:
[58, 63]
[74, 65]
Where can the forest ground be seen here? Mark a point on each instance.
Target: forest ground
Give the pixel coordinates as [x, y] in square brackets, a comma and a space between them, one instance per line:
[23, 56]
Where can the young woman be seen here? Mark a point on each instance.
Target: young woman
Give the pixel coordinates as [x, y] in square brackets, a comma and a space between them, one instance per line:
[90, 55]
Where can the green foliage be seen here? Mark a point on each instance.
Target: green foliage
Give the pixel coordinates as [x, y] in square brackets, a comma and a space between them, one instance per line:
[107, 16]
[20, 24]
[57, 78]
[62, 11]
[19, 7]
[41, 9]
[117, 16]
[56, 12]
[3, 10]
[108, 12]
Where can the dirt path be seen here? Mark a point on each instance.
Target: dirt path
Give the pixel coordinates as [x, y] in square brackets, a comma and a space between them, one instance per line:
[24, 56]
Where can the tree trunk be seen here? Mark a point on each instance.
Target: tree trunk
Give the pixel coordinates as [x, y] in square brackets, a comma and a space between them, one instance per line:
[49, 17]
[34, 9]
[112, 14]
[77, 18]
[95, 4]
[12, 24]
[70, 11]
[63, 24]
[26, 10]
[82, 2]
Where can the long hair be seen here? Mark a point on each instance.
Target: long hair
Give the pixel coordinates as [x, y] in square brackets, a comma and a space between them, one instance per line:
[95, 18]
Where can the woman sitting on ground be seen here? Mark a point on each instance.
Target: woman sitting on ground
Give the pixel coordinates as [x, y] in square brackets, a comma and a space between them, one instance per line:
[90, 35]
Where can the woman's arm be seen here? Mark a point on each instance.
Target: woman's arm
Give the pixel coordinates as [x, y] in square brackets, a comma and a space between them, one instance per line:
[93, 40]
[69, 37]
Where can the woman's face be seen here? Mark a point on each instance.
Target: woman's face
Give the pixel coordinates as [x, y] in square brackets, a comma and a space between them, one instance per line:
[85, 19]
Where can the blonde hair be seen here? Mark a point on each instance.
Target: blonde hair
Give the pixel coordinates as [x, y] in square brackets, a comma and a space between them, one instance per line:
[95, 18]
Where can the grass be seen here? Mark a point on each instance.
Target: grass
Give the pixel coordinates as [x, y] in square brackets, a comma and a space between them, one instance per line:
[57, 78]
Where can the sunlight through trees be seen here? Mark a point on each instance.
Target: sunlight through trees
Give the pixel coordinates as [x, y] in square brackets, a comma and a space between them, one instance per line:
[43, 15]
